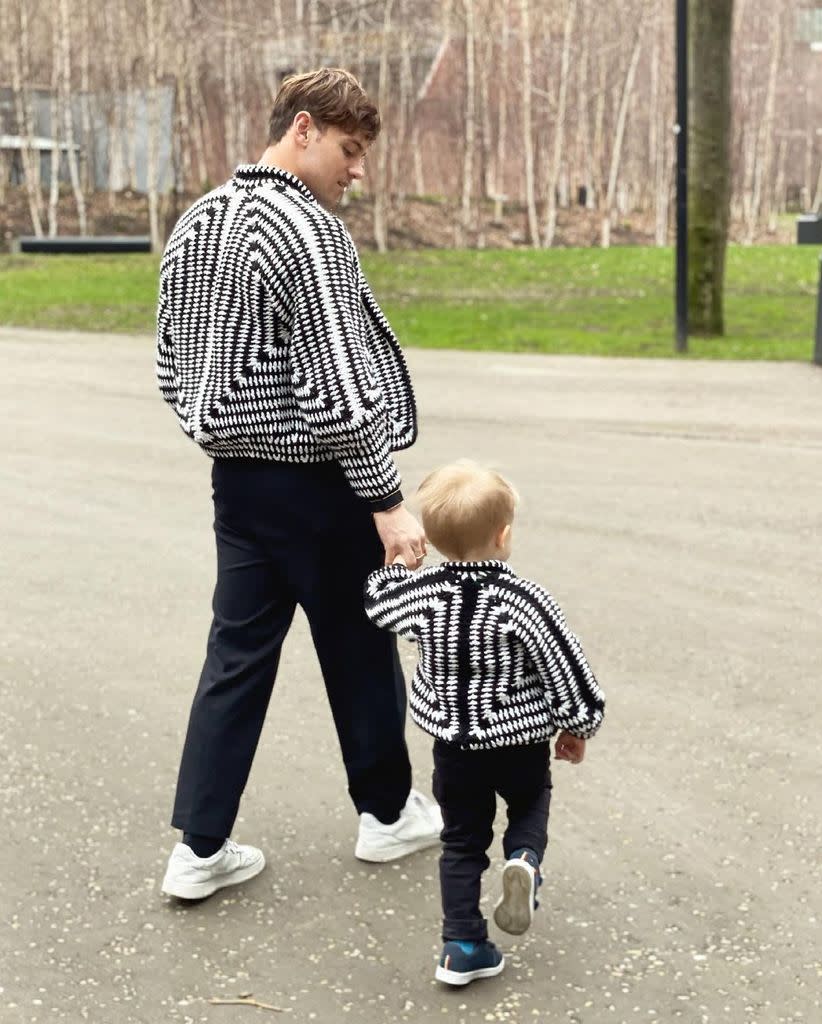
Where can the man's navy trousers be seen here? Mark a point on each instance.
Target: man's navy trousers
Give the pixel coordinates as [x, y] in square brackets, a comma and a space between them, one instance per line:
[290, 534]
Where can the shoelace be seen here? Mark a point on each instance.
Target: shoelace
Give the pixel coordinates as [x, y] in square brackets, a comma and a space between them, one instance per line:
[231, 846]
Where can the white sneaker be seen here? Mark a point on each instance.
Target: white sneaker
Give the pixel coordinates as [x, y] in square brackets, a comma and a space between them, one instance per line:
[515, 908]
[192, 878]
[418, 827]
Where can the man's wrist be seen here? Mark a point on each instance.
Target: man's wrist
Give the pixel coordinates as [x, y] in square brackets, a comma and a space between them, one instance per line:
[387, 503]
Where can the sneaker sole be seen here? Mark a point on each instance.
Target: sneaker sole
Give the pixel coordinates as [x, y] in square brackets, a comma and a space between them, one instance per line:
[464, 977]
[515, 910]
[199, 890]
[383, 854]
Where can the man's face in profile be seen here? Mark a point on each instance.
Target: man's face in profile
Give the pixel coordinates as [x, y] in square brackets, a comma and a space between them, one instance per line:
[331, 161]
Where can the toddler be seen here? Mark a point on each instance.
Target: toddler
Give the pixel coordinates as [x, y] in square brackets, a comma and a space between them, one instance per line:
[499, 674]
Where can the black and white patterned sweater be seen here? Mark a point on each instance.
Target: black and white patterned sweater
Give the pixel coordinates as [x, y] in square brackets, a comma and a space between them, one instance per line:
[270, 343]
[497, 664]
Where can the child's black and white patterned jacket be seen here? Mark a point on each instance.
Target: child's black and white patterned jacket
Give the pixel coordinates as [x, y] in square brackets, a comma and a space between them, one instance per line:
[497, 663]
[269, 341]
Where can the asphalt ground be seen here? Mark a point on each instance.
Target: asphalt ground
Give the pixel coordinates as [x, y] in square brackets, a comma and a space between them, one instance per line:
[675, 511]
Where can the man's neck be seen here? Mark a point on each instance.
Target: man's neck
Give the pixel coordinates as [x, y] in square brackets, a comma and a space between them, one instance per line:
[278, 156]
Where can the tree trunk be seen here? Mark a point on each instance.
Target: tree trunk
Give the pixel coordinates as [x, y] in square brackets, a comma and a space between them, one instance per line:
[6, 60]
[616, 151]
[196, 111]
[764, 149]
[68, 117]
[299, 39]
[87, 160]
[709, 175]
[583, 117]
[153, 123]
[54, 127]
[816, 205]
[810, 138]
[130, 126]
[470, 135]
[486, 63]
[776, 201]
[559, 126]
[654, 113]
[502, 106]
[29, 157]
[598, 150]
[113, 111]
[381, 184]
[527, 124]
[230, 105]
[400, 148]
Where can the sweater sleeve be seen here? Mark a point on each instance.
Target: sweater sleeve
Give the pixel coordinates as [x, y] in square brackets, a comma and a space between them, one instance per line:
[388, 602]
[576, 700]
[164, 362]
[332, 374]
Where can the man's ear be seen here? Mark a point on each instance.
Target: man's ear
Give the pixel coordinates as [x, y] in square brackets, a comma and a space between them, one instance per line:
[302, 123]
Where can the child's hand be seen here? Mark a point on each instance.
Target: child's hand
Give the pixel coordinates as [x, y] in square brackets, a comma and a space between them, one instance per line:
[569, 748]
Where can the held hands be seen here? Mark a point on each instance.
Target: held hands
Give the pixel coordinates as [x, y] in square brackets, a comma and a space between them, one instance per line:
[569, 748]
[402, 537]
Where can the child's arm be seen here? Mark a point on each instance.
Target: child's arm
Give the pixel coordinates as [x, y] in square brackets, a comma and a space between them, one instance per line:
[576, 700]
[384, 605]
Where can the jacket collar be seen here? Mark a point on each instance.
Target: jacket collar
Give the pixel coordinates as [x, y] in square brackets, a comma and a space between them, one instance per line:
[259, 174]
[492, 565]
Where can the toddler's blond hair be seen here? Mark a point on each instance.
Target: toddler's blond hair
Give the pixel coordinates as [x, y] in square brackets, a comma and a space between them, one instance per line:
[463, 505]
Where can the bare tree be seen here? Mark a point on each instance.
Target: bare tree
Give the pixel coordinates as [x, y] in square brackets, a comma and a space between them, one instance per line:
[559, 126]
[583, 115]
[763, 157]
[470, 121]
[154, 25]
[381, 184]
[527, 122]
[19, 84]
[68, 117]
[616, 150]
[398, 177]
[129, 123]
[199, 124]
[87, 161]
[598, 148]
[776, 200]
[231, 109]
[54, 119]
[502, 107]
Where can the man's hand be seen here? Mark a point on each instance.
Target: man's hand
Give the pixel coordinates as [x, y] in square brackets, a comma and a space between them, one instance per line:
[402, 535]
[569, 748]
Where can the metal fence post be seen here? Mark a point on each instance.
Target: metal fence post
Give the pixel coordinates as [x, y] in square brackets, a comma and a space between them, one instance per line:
[817, 352]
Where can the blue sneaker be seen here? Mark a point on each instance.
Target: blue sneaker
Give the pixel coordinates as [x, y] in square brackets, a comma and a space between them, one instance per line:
[521, 878]
[462, 962]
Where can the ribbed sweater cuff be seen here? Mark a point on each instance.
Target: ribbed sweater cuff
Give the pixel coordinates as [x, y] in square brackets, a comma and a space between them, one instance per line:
[388, 502]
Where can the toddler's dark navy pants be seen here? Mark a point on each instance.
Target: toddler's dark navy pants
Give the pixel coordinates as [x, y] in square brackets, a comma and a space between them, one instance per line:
[466, 783]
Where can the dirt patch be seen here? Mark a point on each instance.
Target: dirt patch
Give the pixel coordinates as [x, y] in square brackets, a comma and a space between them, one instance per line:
[413, 223]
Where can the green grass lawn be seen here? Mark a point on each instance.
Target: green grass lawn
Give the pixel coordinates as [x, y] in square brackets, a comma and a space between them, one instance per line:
[615, 301]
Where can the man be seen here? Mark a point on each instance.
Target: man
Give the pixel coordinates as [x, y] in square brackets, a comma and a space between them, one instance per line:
[278, 362]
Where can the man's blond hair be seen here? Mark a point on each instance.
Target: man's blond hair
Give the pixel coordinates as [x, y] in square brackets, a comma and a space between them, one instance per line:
[332, 96]
[463, 506]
